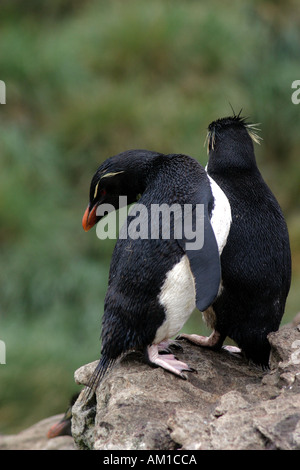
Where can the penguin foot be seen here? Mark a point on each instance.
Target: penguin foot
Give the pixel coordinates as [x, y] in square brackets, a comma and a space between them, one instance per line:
[212, 341]
[167, 361]
[232, 349]
[165, 346]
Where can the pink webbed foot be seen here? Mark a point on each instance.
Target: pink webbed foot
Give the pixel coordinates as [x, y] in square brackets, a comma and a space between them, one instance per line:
[212, 341]
[167, 361]
[232, 349]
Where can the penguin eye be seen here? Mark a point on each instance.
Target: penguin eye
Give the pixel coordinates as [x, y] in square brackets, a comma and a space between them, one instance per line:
[102, 191]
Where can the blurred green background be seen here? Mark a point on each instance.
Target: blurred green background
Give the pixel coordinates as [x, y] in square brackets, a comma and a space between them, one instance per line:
[86, 80]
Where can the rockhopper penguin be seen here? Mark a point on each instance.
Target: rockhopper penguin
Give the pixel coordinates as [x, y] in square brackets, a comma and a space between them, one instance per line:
[155, 283]
[256, 261]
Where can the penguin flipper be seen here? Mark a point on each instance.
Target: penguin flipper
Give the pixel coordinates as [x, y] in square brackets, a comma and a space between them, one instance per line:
[202, 252]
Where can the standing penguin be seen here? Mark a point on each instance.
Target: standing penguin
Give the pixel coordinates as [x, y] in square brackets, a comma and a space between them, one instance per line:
[256, 261]
[155, 283]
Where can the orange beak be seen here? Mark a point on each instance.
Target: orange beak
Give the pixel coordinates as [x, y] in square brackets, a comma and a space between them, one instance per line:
[89, 218]
[57, 429]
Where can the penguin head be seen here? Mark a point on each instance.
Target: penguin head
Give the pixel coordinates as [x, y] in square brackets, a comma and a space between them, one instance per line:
[230, 143]
[124, 174]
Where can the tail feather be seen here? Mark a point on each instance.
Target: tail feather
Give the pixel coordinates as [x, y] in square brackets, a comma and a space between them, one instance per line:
[103, 366]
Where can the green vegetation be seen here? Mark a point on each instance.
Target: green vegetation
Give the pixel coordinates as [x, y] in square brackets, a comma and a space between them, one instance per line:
[86, 80]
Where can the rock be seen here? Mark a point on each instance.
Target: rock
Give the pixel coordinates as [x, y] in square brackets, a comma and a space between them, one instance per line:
[227, 404]
[35, 438]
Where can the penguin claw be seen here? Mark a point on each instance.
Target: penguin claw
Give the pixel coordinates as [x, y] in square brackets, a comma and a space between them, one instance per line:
[175, 345]
[179, 338]
[190, 369]
[167, 361]
[164, 351]
[167, 345]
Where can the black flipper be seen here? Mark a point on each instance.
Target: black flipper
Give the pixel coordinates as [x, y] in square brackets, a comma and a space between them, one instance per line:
[205, 260]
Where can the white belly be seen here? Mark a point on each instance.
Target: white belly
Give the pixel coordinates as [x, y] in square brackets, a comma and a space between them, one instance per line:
[177, 296]
[178, 293]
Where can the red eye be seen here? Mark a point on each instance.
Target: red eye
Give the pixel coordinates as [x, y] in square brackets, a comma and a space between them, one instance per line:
[103, 192]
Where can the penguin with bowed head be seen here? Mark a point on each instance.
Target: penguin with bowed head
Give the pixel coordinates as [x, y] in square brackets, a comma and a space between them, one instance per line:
[155, 283]
[256, 260]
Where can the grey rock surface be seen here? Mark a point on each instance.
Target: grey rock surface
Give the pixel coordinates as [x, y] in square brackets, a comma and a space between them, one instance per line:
[226, 404]
[35, 438]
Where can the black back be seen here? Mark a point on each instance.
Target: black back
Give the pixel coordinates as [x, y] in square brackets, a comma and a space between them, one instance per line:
[256, 261]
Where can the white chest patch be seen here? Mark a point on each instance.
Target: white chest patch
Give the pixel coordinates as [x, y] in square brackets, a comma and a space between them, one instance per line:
[178, 299]
[221, 215]
[220, 222]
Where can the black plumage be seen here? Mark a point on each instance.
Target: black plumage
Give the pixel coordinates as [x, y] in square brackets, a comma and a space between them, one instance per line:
[141, 311]
[256, 261]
